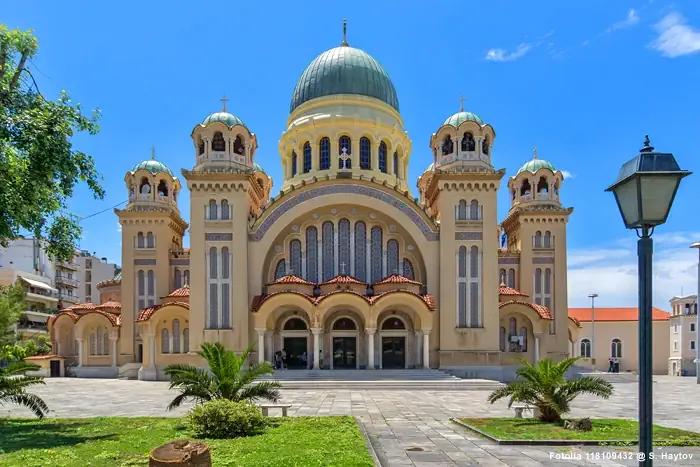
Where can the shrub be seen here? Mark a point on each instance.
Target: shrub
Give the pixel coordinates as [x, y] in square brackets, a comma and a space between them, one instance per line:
[222, 418]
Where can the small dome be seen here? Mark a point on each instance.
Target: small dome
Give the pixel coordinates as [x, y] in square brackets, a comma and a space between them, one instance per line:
[460, 117]
[153, 166]
[344, 70]
[257, 168]
[536, 164]
[430, 168]
[224, 117]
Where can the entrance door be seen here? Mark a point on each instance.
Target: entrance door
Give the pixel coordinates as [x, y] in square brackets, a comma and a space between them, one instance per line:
[344, 352]
[393, 352]
[139, 354]
[55, 367]
[295, 347]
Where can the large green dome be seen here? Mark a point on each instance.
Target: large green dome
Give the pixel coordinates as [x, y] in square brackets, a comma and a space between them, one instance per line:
[536, 164]
[226, 118]
[344, 70]
[152, 166]
[460, 117]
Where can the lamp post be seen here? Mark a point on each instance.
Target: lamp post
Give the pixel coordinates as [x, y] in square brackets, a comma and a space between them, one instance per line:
[593, 296]
[697, 321]
[644, 190]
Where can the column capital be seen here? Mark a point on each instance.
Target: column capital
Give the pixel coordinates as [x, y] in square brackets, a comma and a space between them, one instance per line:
[426, 332]
[261, 331]
[370, 330]
[113, 338]
[316, 331]
[80, 339]
[537, 334]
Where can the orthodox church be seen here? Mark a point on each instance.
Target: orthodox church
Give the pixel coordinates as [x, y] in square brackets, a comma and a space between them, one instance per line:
[344, 267]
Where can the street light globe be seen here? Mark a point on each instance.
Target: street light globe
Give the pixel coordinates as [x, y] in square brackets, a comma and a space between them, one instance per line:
[646, 186]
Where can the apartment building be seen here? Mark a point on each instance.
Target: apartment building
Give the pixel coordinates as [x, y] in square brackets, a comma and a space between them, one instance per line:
[683, 332]
[92, 270]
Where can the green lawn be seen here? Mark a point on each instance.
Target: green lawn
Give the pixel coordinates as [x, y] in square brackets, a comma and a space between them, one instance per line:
[116, 442]
[607, 429]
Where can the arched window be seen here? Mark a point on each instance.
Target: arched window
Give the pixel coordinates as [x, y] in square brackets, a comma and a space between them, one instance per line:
[225, 263]
[100, 342]
[502, 277]
[523, 334]
[462, 287]
[382, 157]
[186, 340]
[396, 163]
[213, 274]
[141, 279]
[468, 143]
[280, 269]
[344, 246]
[186, 276]
[485, 145]
[512, 327]
[213, 211]
[462, 210]
[538, 239]
[295, 257]
[447, 147]
[294, 164]
[151, 282]
[538, 286]
[145, 189]
[502, 339]
[178, 279]
[525, 188]
[511, 278]
[377, 249]
[164, 341]
[585, 349]
[225, 211]
[93, 346]
[328, 259]
[361, 251]
[548, 239]
[238, 147]
[344, 324]
[200, 146]
[312, 254]
[325, 153]
[140, 243]
[365, 154]
[295, 324]
[393, 324]
[616, 348]
[474, 280]
[162, 188]
[218, 143]
[392, 257]
[408, 270]
[474, 210]
[542, 185]
[150, 240]
[176, 336]
[344, 145]
[307, 157]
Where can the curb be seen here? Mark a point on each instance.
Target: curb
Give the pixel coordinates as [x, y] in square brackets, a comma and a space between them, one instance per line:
[368, 443]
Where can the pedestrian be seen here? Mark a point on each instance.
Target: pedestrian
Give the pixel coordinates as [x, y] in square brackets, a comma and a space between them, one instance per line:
[611, 365]
[284, 359]
[303, 359]
[278, 360]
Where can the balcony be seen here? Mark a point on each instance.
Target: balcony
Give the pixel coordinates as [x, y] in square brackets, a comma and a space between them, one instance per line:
[67, 281]
[68, 298]
[31, 328]
[69, 265]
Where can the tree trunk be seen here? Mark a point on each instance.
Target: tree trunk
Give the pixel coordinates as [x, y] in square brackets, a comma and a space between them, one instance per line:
[180, 453]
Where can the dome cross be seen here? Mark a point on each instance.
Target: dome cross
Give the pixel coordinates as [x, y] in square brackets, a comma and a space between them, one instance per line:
[345, 33]
[224, 100]
[534, 151]
[462, 99]
[153, 153]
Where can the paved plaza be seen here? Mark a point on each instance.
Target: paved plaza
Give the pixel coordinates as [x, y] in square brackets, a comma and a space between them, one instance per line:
[407, 428]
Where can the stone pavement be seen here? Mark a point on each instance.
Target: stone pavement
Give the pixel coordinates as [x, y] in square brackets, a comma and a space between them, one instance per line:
[408, 428]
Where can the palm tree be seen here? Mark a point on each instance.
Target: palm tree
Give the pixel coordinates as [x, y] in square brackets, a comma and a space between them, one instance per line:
[226, 378]
[545, 387]
[13, 383]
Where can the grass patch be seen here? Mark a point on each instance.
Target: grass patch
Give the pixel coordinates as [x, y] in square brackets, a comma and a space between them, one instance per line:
[290, 441]
[604, 429]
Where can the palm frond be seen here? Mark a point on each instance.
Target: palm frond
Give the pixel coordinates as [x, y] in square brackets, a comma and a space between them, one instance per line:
[593, 385]
[19, 383]
[189, 395]
[267, 390]
[33, 402]
[18, 368]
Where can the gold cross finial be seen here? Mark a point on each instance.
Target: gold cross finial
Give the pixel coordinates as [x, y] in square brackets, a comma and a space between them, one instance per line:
[345, 33]
[461, 102]
[534, 151]
[153, 153]
[224, 100]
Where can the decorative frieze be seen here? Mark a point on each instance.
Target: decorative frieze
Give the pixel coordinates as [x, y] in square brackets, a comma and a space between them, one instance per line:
[179, 261]
[144, 262]
[509, 260]
[469, 235]
[218, 237]
[543, 260]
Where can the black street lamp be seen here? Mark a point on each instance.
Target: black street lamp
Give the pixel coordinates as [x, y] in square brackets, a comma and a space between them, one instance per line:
[644, 191]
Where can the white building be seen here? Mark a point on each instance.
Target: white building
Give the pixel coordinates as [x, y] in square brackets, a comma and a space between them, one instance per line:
[92, 270]
[684, 335]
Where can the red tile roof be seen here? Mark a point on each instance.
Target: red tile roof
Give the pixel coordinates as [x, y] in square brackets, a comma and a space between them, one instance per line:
[181, 292]
[110, 305]
[116, 320]
[43, 357]
[258, 300]
[343, 279]
[291, 279]
[576, 322]
[503, 290]
[146, 313]
[541, 310]
[82, 307]
[615, 314]
[397, 279]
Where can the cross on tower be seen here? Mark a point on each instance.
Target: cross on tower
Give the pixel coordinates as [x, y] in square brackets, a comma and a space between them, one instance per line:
[534, 151]
[224, 100]
[344, 156]
[462, 100]
[342, 268]
[153, 153]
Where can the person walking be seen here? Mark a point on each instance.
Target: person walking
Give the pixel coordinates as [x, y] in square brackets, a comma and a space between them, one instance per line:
[284, 359]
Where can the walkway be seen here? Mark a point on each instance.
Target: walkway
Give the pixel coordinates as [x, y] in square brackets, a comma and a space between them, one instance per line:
[406, 427]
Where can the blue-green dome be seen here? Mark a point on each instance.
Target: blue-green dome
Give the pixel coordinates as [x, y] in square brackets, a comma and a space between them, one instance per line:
[460, 117]
[153, 166]
[344, 70]
[257, 168]
[430, 168]
[536, 164]
[224, 117]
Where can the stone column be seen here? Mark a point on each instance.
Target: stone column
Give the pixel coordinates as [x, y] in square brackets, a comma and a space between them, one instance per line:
[426, 348]
[114, 350]
[59, 348]
[81, 342]
[261, 345]
[152, 352]
[419, 347]
[316, 332]
[270, 346]
[374, 161]
[537, 347]
[370, 347]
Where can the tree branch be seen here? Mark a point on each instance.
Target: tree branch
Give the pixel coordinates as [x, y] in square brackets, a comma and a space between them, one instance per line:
[3, 58]
[20, 67]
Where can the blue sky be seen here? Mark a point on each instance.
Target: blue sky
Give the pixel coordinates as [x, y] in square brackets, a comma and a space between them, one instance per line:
[584, 81]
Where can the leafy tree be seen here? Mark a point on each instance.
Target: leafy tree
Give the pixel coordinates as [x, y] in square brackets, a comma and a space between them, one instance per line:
[39, 168]
[13, 385]
[226, 378]
[11, 307]
[545, 386]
